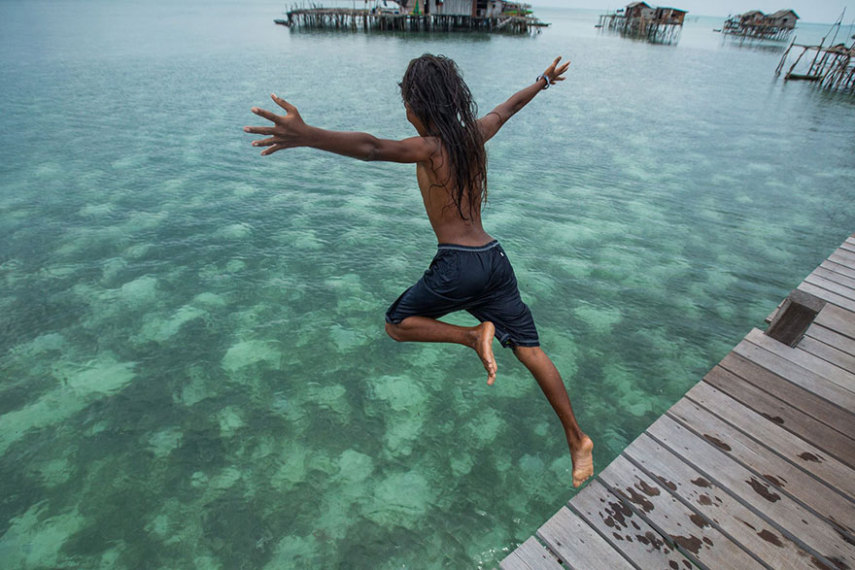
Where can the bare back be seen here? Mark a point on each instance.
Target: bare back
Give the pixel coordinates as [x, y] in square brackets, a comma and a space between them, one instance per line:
[436, 186]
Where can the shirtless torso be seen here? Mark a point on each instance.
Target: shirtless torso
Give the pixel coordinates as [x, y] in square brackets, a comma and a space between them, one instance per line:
[446, 221]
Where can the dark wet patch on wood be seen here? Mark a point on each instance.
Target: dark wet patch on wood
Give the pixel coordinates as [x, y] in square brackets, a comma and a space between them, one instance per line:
[818, 563]
[647, 489]
[701, 482]
[810, 457]
[748, 524]
[842, 534]
[638, 499]
[761, 490]
[689, 543]
[770, 537]
[777, 419]
[653, 540]
[673, 564]
[618, 513]
[667, 483]
[716, 442]
[699, 521]
[704, 500]
[775, 480]
[617, 536]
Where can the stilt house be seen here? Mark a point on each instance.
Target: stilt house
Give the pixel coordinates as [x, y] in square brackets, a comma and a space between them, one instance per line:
[420, 15]
[640, 19]
[757, 25]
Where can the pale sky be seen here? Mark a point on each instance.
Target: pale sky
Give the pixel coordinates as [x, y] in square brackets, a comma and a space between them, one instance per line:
[808, 10]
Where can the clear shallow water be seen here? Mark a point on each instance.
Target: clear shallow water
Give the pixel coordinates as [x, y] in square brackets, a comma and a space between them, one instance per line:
[193, 371]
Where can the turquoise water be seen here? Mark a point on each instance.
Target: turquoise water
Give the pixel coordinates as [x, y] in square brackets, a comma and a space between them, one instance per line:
[193, 369]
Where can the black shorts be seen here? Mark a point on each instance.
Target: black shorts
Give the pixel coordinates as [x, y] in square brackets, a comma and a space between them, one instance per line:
[479, 280]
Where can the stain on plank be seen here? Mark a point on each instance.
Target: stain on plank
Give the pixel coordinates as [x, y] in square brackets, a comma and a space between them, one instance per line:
[691, 543]
[699, 521]
[716, 442]
[775, 419]
[810, 457]
[761, 490]
[770, 537]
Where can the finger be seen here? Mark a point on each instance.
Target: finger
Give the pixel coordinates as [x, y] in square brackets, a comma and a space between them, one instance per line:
[266, 114]
[260, 130]
[272, 149]
[283, 103]
[265, 142]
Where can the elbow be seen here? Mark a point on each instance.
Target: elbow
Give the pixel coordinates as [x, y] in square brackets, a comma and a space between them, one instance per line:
[370, 150]
[371, 155]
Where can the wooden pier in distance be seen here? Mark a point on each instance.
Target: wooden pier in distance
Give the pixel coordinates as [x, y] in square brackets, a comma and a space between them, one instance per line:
[366, 20]
[753, 468]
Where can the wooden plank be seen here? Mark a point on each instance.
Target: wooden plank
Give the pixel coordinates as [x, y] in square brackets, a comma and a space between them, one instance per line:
[811, 532]
[798, 452]
[578, 544]
[831, 285]
[754, 532]
[827, 353]
[624, 529]
[816, 407]
[844, 258]
[530, 555]
[842, 280]
[797, 375]
[783, 414]
[828, 296]
[784, 476]
[831, 338]
[837, 319]
[849, 244]
[838, 269]
[691, 531]
[838, 375]
[844, 254]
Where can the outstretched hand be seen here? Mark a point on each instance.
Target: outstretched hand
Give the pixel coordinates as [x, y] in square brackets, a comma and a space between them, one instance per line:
[555, 72]
[288, 130]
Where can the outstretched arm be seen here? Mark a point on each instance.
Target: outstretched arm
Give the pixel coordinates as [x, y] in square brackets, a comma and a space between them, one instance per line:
[495, 119]
[290, 131]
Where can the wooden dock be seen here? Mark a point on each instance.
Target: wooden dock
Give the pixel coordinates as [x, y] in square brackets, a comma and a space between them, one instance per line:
[367, 20]
[753, 468]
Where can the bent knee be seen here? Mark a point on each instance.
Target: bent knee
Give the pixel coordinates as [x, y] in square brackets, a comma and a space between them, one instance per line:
[392, 331]
[527, 353]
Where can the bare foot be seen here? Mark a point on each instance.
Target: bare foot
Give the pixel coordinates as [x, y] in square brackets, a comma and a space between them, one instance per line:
[483, 345]
[583, 461]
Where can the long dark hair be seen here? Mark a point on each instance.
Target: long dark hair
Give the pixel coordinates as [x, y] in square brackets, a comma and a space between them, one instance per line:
[438, 96]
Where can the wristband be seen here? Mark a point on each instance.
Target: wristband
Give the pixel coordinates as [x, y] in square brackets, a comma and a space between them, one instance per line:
[548, 83]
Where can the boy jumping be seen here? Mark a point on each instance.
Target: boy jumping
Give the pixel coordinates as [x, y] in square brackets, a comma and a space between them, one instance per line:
[470, 271]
